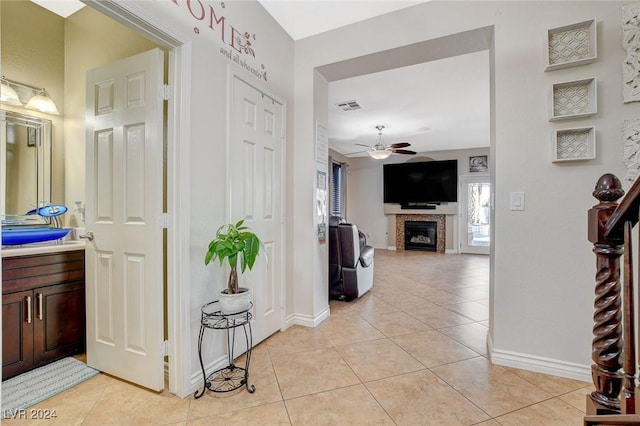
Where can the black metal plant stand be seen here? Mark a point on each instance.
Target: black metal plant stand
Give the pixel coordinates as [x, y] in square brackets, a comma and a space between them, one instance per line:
[230, 377]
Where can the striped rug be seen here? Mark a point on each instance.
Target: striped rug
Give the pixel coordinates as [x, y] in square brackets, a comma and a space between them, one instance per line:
[37, 385]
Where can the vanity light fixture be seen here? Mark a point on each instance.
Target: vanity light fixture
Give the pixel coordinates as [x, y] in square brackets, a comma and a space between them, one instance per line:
[43, 103]
[39, 99]
[7, 94]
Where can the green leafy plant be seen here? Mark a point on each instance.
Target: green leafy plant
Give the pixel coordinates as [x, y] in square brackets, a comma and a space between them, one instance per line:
[233, 243]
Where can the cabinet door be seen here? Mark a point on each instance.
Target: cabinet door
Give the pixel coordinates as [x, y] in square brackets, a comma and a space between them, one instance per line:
[59, 321]
[17, 333]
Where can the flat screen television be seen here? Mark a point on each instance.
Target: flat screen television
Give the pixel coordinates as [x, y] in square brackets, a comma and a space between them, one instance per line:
[421, 183]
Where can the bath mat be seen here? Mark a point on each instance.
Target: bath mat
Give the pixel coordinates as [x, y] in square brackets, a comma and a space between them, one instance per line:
[37, 385]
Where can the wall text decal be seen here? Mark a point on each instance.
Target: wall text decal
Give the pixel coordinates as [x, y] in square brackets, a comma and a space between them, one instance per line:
[238, 45]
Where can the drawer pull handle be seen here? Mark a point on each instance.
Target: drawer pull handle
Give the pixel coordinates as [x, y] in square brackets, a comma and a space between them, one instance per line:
[28, 299]
[39, 296]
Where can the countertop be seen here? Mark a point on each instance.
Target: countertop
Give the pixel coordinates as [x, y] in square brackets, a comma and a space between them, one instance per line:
[41, 248]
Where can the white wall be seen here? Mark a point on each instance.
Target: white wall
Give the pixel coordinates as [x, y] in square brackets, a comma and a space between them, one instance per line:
[542, 280]
[365, 203]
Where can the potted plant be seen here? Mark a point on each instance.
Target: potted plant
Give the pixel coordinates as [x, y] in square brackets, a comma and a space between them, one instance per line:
[234, 242]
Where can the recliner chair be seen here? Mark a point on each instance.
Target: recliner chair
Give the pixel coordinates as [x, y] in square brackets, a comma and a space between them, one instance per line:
[350, 261]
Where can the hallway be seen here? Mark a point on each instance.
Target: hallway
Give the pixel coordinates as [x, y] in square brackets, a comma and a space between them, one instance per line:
[378, 360]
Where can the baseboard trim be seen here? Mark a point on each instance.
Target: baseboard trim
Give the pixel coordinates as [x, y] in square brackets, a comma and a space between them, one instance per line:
[307, 320]
[450, 251]
[538, 364]
[392, 248]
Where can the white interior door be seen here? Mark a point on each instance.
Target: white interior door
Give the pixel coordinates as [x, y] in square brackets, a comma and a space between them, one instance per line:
[475, 220]
[125, 331]
[255, 173]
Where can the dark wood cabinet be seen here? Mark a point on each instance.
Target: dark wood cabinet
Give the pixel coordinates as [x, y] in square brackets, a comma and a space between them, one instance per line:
[17, 333]
[43, 309]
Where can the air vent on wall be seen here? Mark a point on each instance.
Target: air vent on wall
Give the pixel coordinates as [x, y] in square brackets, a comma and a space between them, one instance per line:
[349, 105]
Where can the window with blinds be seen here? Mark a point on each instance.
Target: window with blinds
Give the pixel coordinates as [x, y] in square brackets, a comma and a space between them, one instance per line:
[337, 190]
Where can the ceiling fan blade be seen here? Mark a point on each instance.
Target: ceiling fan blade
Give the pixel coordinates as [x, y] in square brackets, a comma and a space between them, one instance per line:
[353, 153]
[403, 151]
[359, 144]
[400, 145]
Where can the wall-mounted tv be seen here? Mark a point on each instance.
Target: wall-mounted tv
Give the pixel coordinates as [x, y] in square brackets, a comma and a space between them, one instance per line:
[421, 183]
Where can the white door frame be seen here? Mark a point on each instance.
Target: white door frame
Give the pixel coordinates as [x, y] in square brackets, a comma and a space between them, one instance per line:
[178, 295]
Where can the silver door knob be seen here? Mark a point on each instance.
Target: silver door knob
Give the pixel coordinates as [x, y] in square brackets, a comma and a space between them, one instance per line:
[88, 236]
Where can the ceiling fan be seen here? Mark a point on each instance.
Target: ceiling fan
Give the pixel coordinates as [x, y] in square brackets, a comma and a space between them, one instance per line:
[380, 150]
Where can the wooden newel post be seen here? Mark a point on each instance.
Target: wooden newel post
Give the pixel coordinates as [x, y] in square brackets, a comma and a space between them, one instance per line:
[607, 329]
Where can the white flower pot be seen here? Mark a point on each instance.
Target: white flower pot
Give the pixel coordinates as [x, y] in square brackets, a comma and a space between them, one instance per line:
[235, 303]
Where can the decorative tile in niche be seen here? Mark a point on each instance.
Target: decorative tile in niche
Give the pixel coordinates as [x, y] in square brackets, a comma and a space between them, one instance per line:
[631, 63]
[631, 151]
[574, 99]
[571, 45]
[575, 144]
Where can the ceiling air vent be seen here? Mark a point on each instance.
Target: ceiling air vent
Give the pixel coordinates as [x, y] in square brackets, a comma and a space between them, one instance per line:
[349, 105]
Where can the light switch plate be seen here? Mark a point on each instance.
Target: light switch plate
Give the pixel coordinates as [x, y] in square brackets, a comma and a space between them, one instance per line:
[517, 201]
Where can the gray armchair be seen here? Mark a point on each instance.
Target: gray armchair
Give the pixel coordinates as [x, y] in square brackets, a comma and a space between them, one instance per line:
[350, 261]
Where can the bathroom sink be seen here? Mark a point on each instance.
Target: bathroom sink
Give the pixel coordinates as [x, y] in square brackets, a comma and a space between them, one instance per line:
[13, 236]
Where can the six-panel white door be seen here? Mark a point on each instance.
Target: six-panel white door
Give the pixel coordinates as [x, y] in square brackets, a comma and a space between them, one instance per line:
[124, 261]
[255, 195]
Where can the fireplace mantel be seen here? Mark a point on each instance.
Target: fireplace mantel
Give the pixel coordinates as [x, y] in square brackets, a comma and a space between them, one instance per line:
[447, 224]
[444, 208]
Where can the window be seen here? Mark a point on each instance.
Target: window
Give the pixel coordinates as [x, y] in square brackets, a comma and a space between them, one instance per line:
[337, 189]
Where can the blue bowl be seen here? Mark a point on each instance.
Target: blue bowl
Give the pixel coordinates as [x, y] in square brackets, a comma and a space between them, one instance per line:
[16, 236]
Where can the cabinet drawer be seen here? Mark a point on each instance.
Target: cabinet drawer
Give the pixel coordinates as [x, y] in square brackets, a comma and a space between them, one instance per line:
[28, 272]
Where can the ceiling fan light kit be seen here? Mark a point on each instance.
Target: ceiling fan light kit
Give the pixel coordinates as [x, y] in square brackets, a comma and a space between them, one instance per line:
[379, 154]
[380, 150]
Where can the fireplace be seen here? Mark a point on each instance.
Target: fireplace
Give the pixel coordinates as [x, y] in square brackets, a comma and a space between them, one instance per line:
[420, 235]
[440, 237]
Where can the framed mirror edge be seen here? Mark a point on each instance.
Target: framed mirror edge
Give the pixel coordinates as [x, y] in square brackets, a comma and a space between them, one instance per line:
[36, 139]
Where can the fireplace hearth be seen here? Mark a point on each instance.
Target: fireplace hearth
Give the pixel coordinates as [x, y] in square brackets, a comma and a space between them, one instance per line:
[421, 235]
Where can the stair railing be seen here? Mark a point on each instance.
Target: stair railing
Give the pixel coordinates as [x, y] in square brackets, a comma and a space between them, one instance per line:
[614, 343]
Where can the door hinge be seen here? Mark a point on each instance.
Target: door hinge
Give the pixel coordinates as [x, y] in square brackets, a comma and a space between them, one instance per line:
[164, 348]
[165, 92]
[164, 220]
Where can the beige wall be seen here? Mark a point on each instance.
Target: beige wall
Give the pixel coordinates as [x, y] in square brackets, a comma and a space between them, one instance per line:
[91, 40]
[36, 58]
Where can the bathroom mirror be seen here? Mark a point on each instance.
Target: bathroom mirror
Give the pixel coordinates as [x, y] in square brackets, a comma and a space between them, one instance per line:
[25, 150]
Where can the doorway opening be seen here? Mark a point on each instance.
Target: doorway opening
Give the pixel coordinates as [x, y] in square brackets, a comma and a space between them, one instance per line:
[449, 46]
[174, 328]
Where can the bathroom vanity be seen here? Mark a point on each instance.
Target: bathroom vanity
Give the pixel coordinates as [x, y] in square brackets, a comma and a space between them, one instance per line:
[43, 305]
[43, 284]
